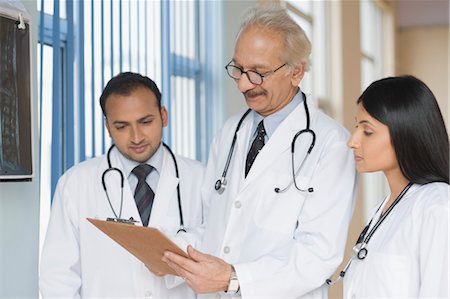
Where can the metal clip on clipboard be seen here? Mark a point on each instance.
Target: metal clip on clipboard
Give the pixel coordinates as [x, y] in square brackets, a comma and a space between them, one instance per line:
[130, 221]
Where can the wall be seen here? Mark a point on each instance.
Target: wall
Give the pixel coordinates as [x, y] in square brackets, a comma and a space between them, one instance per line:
[19, 210]
[345, 89]
[423, 33]
[424, 53]
[234, 11]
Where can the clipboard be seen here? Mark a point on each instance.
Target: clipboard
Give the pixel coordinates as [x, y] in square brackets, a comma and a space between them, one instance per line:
[145, 243]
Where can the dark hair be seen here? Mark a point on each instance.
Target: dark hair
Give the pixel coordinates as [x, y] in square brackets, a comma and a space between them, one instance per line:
[124, 84]
[410, 111]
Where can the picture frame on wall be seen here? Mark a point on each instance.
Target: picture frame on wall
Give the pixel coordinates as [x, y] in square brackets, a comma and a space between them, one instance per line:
[16, 153]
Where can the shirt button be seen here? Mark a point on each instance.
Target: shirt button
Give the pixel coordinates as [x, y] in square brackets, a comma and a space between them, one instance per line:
[237, 204]
[226, 249]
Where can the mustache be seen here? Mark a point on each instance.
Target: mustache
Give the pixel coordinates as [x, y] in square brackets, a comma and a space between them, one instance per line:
[253, 93]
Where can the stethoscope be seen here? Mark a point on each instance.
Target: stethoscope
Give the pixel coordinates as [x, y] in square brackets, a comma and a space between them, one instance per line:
[222, 182]
[131, 220]
[359, 251]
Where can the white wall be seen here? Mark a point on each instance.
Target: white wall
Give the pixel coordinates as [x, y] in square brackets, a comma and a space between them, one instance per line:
[233, 14]
[19, 210]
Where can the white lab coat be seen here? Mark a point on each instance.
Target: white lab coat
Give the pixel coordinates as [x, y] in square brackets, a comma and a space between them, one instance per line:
[79, 260]
[278, 249]
[408, 253]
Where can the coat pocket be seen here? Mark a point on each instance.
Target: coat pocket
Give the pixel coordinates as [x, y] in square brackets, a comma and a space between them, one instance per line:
[279, 211]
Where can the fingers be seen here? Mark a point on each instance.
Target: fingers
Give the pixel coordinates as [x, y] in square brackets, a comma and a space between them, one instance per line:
[181, 265]
[179, 270]
[196, 255]
[179, 260]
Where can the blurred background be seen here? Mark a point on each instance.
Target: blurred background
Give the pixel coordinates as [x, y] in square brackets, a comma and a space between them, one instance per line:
[77, 46]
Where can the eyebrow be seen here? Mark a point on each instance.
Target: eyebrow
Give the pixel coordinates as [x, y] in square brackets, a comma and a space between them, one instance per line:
[140, 119]
[253, 67]
[364, 122]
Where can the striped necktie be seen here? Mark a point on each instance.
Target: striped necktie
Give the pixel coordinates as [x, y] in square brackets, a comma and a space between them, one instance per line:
[143, 195]
[256, 147]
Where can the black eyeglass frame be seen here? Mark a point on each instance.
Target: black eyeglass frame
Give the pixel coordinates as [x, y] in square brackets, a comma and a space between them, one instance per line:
[262, 76]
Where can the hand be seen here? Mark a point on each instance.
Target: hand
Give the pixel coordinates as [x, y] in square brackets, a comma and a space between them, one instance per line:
[204, 273]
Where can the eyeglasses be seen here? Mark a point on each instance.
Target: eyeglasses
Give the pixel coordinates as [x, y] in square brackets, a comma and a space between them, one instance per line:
[256, 78]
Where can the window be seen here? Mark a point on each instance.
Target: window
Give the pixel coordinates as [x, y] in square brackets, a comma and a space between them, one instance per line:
[82, 44]
[372, 62]
[312, 17]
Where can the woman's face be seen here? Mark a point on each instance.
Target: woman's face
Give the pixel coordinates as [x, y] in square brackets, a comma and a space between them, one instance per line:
[371, 144]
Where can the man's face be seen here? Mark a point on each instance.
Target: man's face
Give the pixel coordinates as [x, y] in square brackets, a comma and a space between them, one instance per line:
[135, 123]
[261, 50]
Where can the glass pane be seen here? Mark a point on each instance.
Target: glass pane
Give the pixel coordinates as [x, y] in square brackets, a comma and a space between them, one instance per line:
[306, 84]
[306, 26]
[367, 73]
[153, 41]
[304, 6]
[320, 56]
[183, 24]
[371, 27]
[182, 117]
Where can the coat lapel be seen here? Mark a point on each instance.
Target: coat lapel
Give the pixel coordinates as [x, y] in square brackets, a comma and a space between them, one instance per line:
[281, 141]
[166, 192]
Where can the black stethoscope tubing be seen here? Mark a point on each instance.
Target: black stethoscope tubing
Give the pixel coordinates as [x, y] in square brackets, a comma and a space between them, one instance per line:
[110, 169]
[359, 250]
[313, 142]
[363, 238]
[221, 183]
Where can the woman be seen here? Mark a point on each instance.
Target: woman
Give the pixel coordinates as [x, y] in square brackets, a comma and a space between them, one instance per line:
[403, 251]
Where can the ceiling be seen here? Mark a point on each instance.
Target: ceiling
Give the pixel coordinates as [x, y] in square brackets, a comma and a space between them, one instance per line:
[411, 13]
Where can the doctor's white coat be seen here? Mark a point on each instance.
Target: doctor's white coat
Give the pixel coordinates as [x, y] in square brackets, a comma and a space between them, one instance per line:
[78, 260]
[282, 245]
[408, 254]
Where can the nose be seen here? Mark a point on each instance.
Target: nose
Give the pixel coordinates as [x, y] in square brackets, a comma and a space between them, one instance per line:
[353, 142]
[244, 83]
[136, 135]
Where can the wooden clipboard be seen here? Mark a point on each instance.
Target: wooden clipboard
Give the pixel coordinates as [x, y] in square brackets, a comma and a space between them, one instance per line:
[146, 243]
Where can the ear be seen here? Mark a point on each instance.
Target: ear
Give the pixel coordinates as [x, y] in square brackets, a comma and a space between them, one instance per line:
[107, 126]
[164, 116]
[297, 75]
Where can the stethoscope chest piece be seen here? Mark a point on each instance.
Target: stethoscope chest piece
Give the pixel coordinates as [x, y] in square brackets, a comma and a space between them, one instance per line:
[220, 185]
[360, 251]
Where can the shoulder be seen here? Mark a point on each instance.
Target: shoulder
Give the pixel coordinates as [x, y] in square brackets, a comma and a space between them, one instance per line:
[329, 127]
[84, 169]
[432, 194]
[188, 163]
[234, 119]
[431, 200]
[228, 129]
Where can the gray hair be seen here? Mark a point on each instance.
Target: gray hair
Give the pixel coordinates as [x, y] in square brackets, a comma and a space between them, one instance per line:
[274, 17]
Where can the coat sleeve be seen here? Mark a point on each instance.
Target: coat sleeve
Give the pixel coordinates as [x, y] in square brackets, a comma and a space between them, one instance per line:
[318, 243]
[434, 247]
[60, 261]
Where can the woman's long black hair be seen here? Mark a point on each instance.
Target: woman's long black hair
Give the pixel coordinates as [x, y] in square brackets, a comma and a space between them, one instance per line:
[418, 134]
